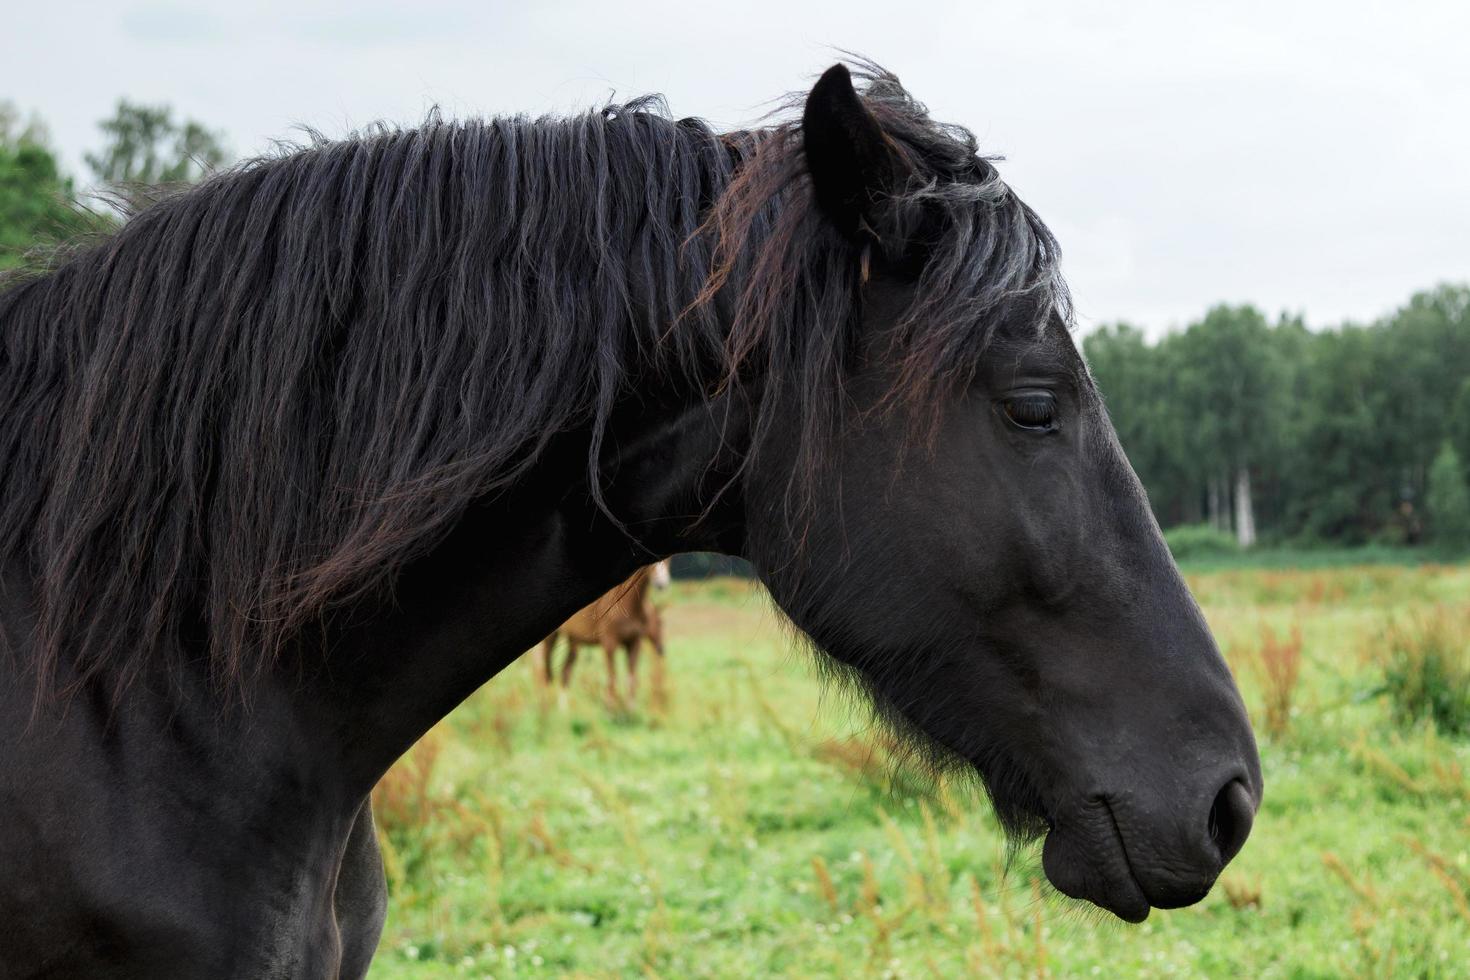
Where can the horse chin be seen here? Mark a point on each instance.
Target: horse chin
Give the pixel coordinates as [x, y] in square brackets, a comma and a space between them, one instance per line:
[1085, 858]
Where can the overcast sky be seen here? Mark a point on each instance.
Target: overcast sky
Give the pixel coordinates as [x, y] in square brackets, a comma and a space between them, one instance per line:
[1310, 156]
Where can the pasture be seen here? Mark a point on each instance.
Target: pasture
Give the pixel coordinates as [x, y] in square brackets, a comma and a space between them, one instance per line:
[756, 825]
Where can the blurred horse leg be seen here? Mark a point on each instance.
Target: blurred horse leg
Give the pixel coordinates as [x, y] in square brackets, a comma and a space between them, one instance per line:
[541, 669]
[655, 633]
[566, 673]
[542, 663]
[568, 664]
[630, 647]
[610, 653]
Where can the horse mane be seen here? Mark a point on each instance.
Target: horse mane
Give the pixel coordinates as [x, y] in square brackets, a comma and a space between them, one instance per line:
[264, 395]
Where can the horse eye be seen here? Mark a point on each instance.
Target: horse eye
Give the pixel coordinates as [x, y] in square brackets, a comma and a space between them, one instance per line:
[1032, 410]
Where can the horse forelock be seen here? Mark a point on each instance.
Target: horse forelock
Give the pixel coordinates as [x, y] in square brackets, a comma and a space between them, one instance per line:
[263, 396]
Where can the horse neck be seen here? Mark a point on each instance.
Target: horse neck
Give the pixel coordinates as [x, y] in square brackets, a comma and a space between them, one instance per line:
[464, 612]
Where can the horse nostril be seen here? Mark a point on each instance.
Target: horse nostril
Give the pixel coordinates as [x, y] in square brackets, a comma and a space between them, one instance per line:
[1231, 816]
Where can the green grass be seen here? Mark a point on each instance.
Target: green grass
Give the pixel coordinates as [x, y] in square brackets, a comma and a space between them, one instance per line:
[758, 828]
[1310, 559]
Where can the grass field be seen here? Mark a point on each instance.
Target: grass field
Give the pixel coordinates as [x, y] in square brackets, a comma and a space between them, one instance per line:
[757, 827]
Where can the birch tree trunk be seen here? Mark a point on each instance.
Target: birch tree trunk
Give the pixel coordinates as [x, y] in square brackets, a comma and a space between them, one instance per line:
[1245, 515]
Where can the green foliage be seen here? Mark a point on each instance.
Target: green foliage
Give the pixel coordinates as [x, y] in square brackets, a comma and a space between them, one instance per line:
[35, 199]
[145, 145]
[707, 564]
[1193, 542]
[1310, 555]
[1334, 431]
[1459, 422]
[1449, 500]
[1426, 670]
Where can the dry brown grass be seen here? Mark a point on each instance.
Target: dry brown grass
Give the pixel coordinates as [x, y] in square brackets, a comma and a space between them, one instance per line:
[1279, 663]
[1242, 892]
[877, 759]
[542, 840]
[825, 885]
[1323, 588]
[1360, 886]
[1454, 880]
[401, 800]
[1441, 774]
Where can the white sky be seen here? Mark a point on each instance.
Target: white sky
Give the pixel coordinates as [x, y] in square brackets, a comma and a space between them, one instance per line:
[1308, 156]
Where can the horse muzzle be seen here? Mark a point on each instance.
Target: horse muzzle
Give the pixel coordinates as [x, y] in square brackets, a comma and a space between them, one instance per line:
[1128, 853]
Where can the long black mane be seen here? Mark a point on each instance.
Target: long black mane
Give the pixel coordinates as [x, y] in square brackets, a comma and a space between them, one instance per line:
[264, 395]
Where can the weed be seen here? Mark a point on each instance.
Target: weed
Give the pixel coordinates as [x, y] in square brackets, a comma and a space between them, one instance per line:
[1426, 669]
[1361, 887]
[1279, 661]
[1444, 870]
[824, 883]
[1240, 892]
[401, 800]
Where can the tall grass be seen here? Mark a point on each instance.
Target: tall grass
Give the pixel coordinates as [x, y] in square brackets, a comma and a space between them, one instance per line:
[1278, 661]
[1425, 660]
[401, 800]
[743, 833]
[1195, 542]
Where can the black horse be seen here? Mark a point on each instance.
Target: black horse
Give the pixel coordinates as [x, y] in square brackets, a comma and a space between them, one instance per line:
[279, 456]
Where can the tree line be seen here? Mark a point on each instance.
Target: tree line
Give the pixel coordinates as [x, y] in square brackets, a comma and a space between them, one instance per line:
[1257, 428]
[140, 147]
[1357, 434]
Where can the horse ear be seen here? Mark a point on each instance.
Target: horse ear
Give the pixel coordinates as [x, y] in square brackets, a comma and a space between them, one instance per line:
[851, 160]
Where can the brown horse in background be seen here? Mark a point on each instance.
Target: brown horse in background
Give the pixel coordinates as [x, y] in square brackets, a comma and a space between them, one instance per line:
[623, 617]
